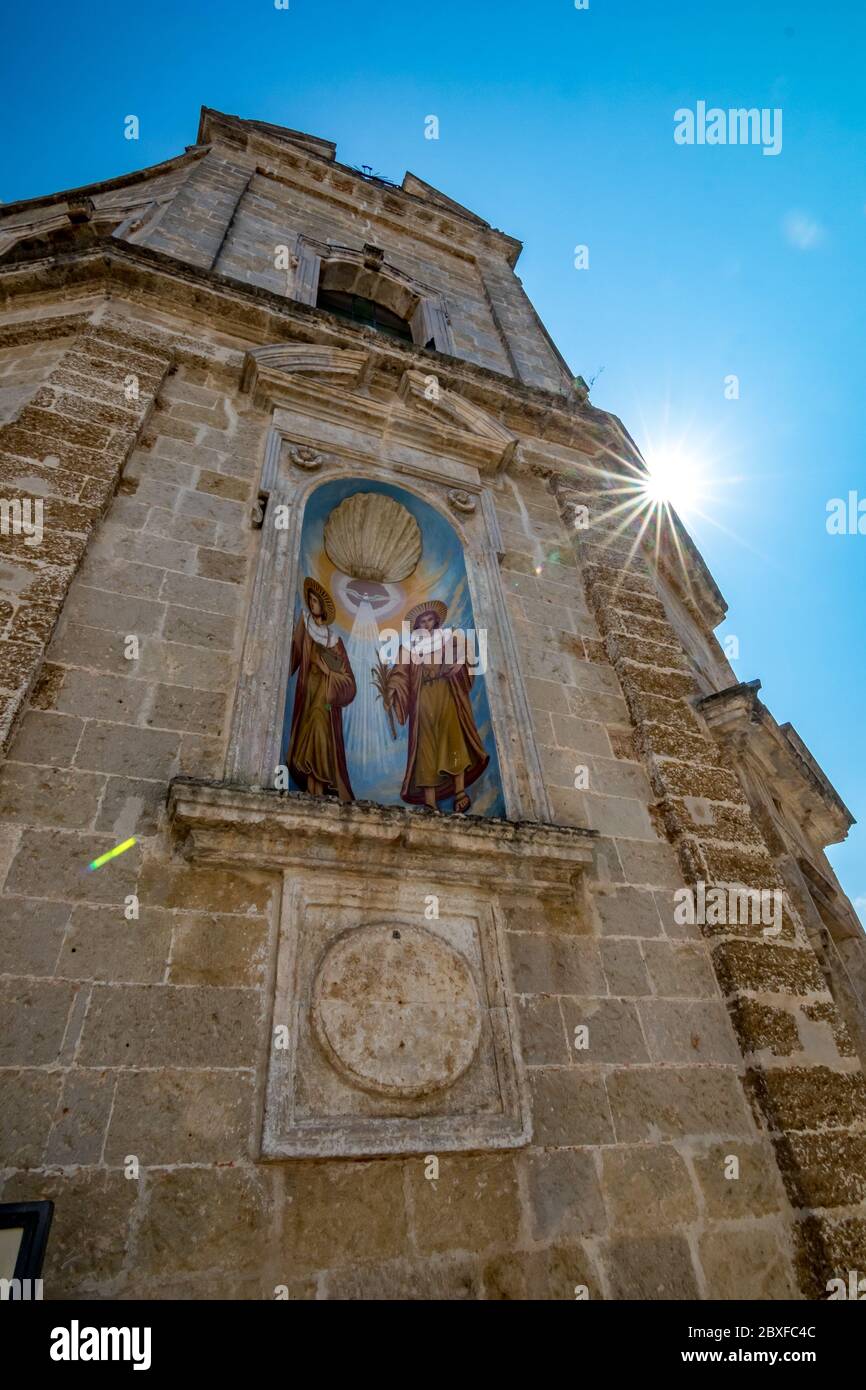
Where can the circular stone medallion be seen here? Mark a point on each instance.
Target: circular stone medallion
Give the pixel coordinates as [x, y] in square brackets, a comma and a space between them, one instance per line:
[396, 1010]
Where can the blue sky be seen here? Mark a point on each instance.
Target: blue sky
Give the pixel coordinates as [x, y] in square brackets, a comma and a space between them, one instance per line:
[557, 125]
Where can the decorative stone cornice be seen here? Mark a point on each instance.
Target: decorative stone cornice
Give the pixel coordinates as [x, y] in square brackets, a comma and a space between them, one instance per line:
[738, 718]
[222, 824]
[266, 368]
[11, 211]
[191, 295]
[730, 712]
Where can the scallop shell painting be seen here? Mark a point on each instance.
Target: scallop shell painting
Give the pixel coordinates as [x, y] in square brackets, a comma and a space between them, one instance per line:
[372, 536]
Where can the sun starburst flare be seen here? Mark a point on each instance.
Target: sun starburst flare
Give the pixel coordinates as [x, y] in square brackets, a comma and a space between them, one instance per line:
[676, 478]
[678, 485]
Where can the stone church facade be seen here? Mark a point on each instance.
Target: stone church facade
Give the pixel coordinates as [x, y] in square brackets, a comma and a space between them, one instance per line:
[207, 1060]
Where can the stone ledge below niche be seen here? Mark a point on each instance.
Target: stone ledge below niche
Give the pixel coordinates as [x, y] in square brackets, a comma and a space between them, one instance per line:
[222, 823]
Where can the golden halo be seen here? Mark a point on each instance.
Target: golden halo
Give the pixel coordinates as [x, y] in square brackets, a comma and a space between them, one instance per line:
[430, 605]
[313, 586]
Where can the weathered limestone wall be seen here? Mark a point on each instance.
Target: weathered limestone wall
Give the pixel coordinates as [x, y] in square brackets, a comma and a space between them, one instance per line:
[66, 444]
[269, 211]
[136, 1035]
[141, 1038]
[803, 1075]
[659, 1086]
[231, 218]
[133, 1058]
[23, 367]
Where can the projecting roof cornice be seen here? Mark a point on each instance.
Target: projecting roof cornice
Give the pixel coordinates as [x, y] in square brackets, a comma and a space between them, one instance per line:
[740, 719]
[13, 213]
[254, 316]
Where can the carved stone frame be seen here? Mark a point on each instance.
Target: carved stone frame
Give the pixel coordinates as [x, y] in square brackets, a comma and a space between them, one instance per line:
[293, 468]
[368, 273]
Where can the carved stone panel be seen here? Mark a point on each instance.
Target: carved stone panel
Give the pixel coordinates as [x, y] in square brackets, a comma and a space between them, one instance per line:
[392, 1029]
[396, 1010]
[399, 1032]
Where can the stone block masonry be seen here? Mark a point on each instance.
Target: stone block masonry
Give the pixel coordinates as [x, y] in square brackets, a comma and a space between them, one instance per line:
[67, 446]
[807, 1090]
[695, 1105]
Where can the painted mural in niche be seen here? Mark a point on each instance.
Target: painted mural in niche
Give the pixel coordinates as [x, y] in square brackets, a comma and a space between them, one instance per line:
[387, 699]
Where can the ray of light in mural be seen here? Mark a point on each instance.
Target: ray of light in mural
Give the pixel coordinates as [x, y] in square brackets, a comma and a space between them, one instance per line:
[366, 724]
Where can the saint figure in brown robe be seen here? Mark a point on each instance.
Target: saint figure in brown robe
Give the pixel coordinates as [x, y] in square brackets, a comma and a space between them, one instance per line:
[316, 755]
[446, 754]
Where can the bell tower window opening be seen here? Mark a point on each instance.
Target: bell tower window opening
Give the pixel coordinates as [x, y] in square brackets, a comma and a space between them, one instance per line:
[357, 309]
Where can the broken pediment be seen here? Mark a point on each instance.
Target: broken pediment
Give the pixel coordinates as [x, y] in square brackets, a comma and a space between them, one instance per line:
[268, 369]
[422, 411]
[422, 391]
[70, 226]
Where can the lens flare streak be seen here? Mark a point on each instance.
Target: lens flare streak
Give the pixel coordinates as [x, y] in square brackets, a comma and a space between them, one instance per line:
[111, 854]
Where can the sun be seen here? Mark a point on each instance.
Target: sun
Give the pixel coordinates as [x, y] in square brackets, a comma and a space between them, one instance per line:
[677, 478]
[674, 481]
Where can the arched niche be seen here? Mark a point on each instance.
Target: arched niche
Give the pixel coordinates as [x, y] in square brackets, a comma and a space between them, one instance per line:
[366, 273]
[353, 277]
[257, 741]
[387, 691]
